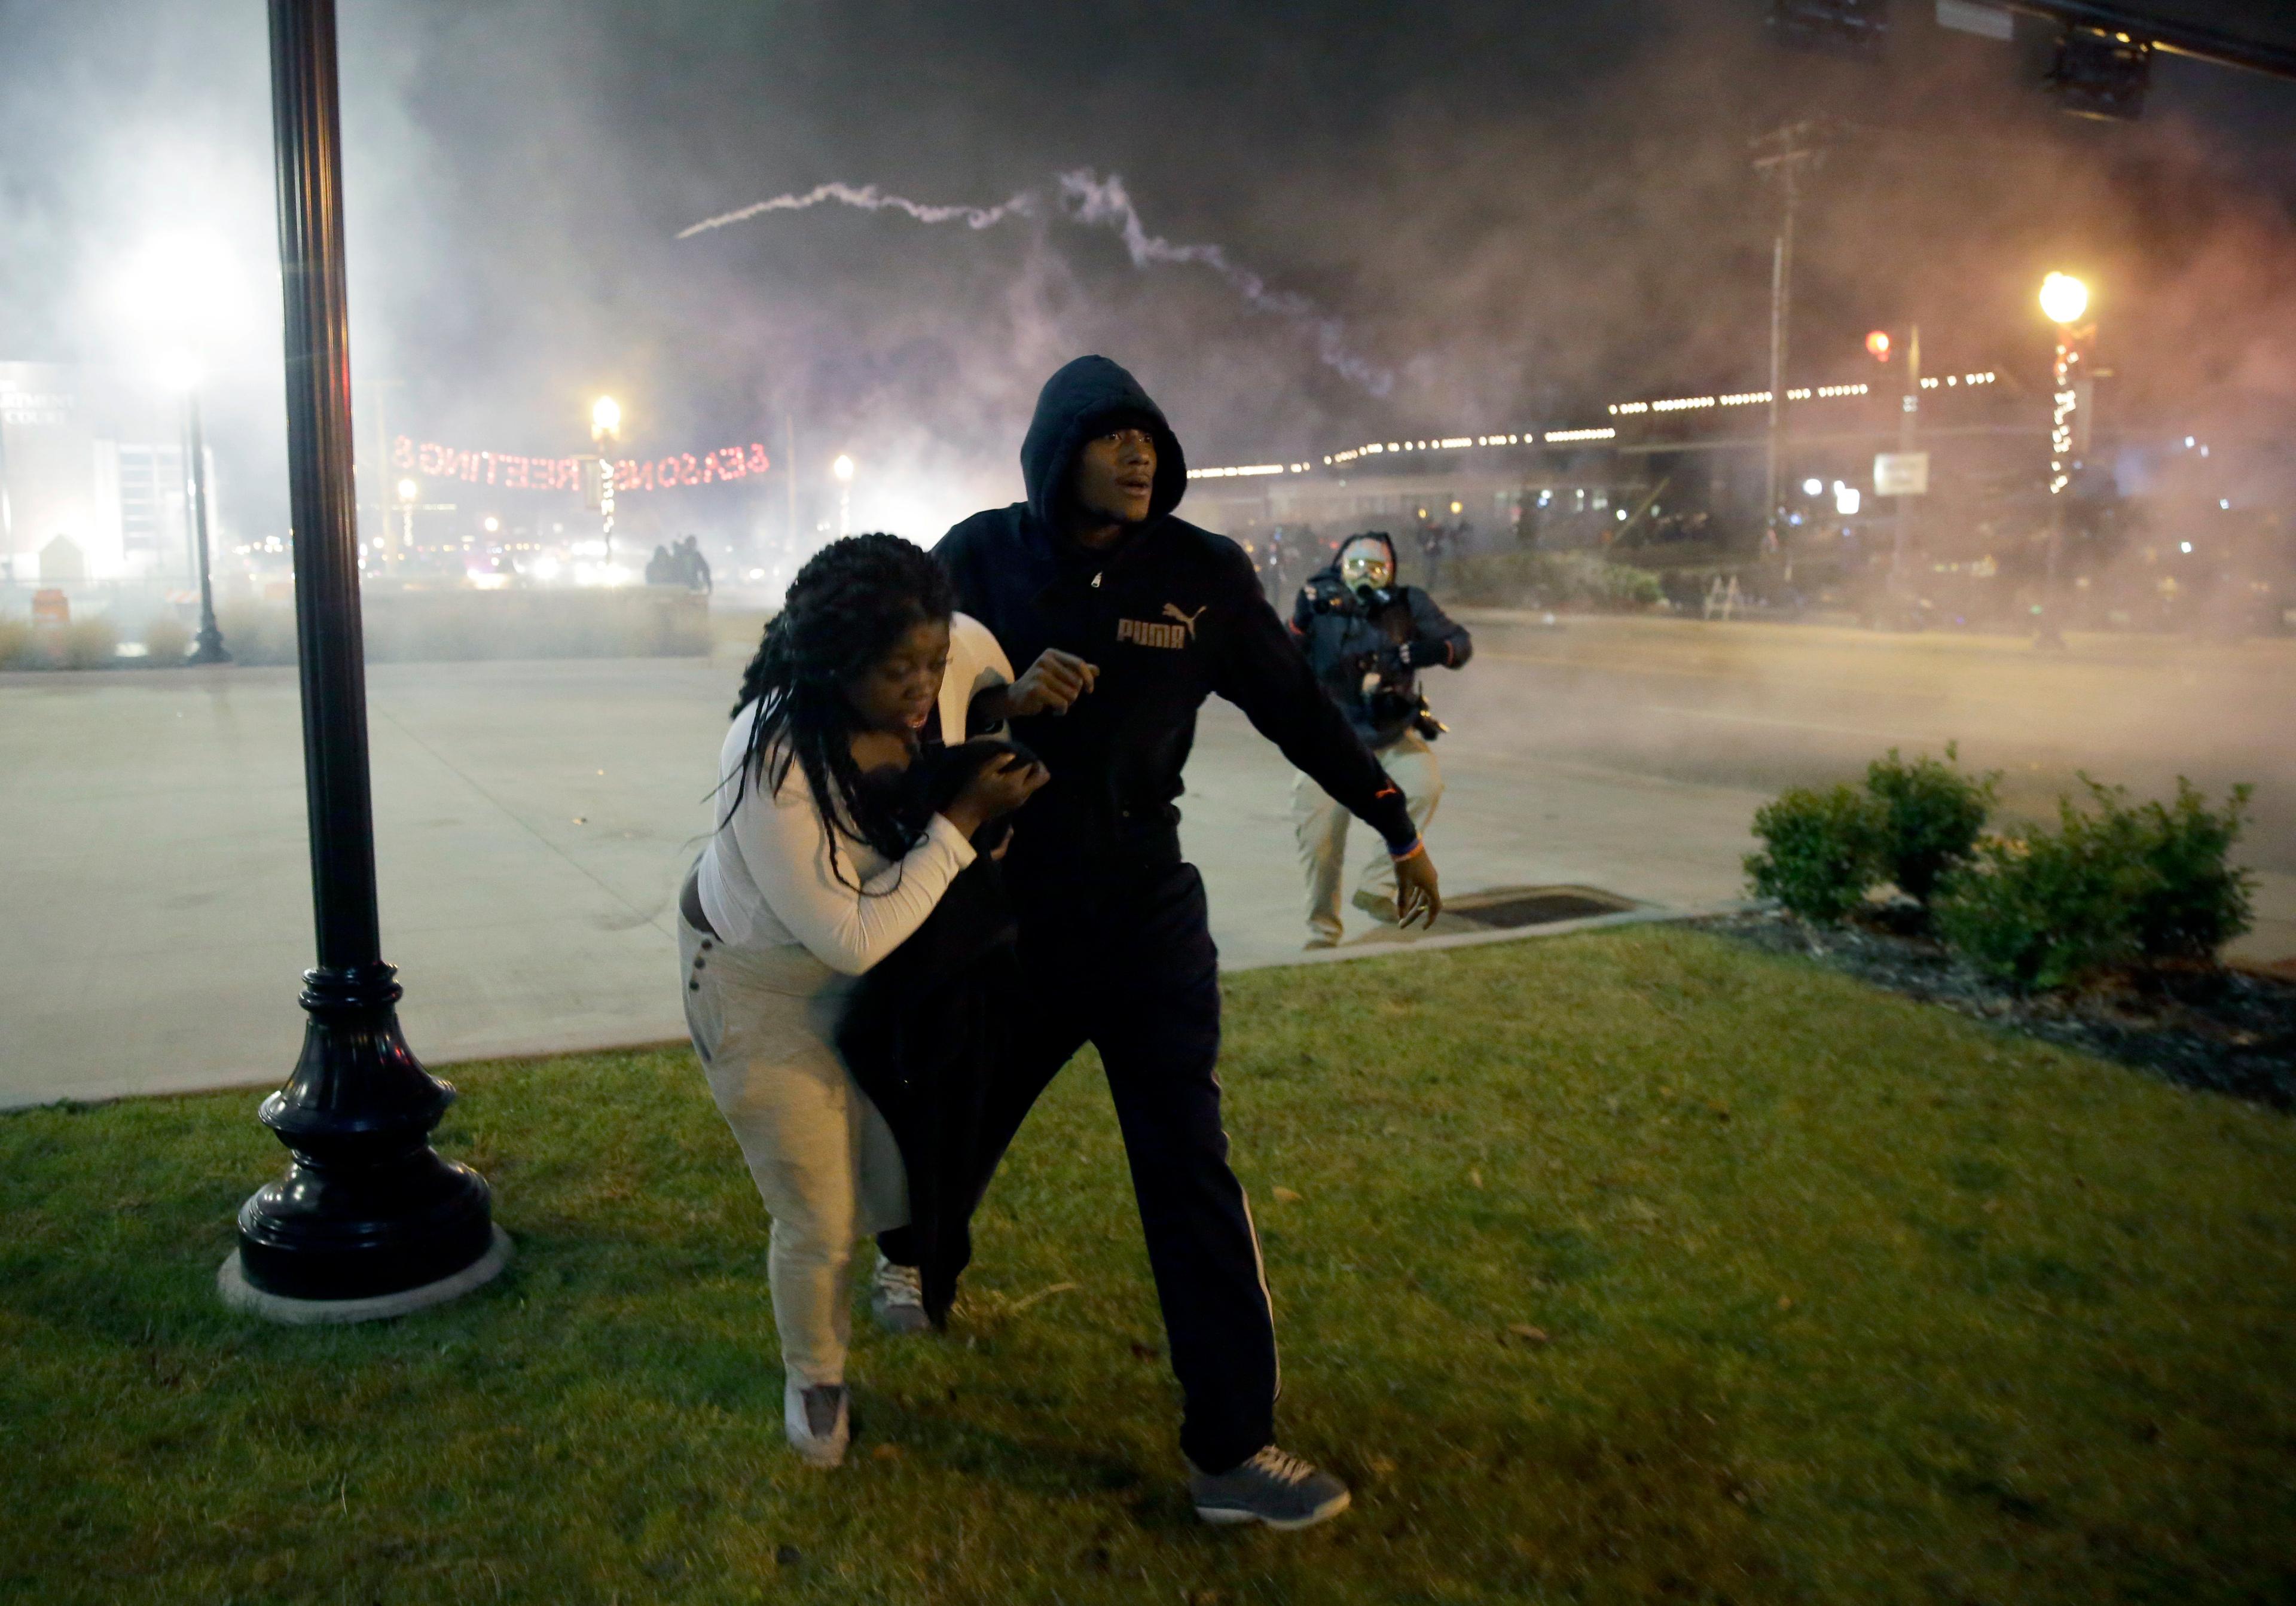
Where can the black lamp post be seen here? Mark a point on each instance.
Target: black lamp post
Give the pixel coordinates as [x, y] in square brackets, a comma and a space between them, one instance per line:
[368, 1220]
[208, 647]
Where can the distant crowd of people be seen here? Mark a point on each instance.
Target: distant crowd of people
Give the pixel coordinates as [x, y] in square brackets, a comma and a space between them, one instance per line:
[681, 563]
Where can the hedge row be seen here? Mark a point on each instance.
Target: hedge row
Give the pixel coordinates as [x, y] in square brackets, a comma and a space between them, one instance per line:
[2037, 905]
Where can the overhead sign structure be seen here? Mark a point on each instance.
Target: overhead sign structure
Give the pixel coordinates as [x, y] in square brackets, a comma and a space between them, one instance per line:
[1901, 474]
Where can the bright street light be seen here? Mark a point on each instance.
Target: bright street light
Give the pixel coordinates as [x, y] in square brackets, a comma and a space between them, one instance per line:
[605, 416]
[1813, 487]
[2063, 298]
[177, 370]
[491, 524]
[842, 468]
[409, 490]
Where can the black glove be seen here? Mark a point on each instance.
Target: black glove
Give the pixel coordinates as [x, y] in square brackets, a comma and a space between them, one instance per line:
[1424, 650]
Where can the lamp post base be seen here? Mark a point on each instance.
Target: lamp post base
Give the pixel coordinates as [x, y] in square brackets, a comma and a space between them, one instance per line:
[367, 1209]
[240, 1294]
[207, 647]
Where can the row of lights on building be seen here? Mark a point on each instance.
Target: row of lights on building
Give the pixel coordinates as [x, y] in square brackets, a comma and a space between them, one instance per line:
[1672, 404]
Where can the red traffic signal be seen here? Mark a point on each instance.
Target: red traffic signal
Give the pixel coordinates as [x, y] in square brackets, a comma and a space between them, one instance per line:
[1878, 343]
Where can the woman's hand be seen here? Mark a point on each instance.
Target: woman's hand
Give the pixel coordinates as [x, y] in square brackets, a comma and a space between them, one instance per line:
[1053, 683]
[997, 789]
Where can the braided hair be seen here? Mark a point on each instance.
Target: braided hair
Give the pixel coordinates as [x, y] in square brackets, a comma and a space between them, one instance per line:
[849, 607]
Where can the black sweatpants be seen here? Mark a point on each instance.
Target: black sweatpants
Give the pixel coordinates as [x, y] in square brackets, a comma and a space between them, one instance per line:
[1129, 965]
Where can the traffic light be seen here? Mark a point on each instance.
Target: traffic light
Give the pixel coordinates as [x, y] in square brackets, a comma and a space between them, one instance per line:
[2101, 72]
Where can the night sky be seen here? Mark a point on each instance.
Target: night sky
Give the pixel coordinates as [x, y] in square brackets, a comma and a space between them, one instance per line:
[1516, 212]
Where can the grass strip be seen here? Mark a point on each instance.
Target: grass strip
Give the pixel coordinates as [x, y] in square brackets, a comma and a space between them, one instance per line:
[1623, 1266]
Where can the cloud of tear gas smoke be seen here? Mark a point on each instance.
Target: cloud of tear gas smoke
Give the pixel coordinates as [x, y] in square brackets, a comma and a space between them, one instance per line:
[1087, 199]
[1105, 202]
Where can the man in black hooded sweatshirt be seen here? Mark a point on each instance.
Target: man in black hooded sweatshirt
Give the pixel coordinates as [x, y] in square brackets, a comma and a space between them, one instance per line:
[1127, 619]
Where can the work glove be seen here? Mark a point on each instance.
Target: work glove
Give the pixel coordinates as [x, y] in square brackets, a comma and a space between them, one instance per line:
[1423, 650]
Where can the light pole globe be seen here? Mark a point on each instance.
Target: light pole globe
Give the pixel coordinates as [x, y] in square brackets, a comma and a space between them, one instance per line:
[605, 417]
[2063, 298]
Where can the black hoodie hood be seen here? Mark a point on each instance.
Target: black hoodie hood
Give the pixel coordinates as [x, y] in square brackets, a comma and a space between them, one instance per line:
[1081, 401]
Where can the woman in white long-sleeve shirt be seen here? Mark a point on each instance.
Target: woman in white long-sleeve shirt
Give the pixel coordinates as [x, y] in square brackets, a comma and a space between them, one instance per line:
[813, 876]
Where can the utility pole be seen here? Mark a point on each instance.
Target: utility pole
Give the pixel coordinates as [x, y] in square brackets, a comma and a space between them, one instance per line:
[1784, 156]
[393, 551]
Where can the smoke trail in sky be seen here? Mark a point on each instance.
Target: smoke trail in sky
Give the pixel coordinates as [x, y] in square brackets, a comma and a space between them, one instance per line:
[1091, 199]
[1087, 199]
[869, 198]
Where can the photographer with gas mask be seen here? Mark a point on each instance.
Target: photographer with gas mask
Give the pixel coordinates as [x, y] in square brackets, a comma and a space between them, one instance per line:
[1367, 637]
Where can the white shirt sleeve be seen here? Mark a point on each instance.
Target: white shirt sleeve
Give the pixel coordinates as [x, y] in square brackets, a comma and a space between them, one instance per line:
[975, 663]
[786, 849]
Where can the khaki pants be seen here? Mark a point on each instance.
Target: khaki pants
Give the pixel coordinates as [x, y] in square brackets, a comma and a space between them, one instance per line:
[824, 1160]
[1321, 828]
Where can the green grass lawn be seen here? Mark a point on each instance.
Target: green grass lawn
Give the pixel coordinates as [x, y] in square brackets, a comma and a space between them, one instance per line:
[1843, 1300]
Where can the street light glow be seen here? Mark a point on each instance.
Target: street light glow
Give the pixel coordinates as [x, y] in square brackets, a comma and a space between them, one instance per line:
[2063, 298]
[492, 524]
[171, 292]
[842, 468]
[605, 415]
[177, 370]
[409, 490]
[1813, 487]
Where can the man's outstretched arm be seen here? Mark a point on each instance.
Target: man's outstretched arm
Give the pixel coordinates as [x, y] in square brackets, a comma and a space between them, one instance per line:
[1263, 672]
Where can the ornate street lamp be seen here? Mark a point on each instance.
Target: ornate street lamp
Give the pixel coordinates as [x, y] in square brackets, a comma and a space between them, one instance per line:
[181, 373]
[2063, 300]
[605, 429]
[368, 1221]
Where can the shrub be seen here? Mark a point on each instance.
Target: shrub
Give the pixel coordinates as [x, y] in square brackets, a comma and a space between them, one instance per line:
[2038, 909]
[1821, 850]
[1934, 812]
[15, 645]
[256, 634]
[2194, 901]
[87, 643]
[167, 640]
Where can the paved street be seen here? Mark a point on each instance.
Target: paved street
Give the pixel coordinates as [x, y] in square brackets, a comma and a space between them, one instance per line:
[532, 817]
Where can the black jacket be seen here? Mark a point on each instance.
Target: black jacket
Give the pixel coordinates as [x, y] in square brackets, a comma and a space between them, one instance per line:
[1170, 616]
[926, 1035]
[1355, 647]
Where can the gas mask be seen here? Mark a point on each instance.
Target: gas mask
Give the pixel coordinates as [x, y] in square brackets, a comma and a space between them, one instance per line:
[1366, 569]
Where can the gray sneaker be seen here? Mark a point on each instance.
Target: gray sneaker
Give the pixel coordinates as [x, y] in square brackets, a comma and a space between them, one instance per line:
[897, 1298]
[1273, 1487]
[817, 1421]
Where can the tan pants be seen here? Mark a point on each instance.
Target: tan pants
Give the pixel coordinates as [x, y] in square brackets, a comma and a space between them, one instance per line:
[824, 1160]
[1321, 828]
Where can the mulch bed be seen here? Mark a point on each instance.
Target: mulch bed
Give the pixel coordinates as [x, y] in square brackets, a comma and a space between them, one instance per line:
[2228, 1031]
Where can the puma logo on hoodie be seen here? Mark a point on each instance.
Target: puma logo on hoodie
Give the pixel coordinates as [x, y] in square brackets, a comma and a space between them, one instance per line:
[1147, 634]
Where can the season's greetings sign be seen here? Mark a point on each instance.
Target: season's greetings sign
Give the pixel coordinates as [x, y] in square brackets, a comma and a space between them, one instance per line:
[517, 473]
